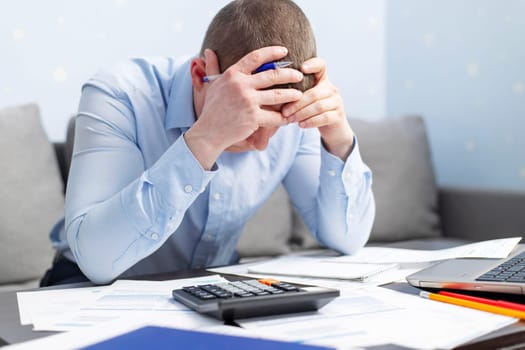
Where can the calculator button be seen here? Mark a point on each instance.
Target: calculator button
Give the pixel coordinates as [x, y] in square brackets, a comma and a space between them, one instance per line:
[245, 295]
[261, 293]
[206, 296]
[275, 291]
[286, 287]
[199, 293]
[240, 289]
[221, 293]
[217, 291]
[265, 287]
[257, 284]
[228, 287]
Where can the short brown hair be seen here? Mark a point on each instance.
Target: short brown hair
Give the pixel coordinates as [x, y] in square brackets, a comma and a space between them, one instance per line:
[246, 25]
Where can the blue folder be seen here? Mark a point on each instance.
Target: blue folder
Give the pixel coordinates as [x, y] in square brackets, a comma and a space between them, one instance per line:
[153, 337]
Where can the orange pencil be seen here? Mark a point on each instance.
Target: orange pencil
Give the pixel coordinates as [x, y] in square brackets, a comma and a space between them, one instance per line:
[502, 303]
[474, 305]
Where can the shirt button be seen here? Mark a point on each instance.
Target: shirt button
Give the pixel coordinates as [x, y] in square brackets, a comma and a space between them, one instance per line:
[331, 172]
[208, 238]
[154, 236]
[188, 188]
[217, 195]
[348, 175]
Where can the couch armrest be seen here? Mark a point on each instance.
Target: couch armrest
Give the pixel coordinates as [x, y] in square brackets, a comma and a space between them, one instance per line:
[64, 151]
[476, 215]
[62, 162]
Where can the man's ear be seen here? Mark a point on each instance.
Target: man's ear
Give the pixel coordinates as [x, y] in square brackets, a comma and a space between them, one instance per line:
[197, 71]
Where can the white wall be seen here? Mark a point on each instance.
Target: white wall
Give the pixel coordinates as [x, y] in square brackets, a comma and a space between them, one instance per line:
[461, 65]
[49, 48]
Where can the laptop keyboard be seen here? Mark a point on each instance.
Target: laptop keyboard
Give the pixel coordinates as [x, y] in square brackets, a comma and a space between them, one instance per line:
[512, 270]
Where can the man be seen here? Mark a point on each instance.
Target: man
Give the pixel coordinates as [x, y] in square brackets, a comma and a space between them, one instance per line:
[169, 165]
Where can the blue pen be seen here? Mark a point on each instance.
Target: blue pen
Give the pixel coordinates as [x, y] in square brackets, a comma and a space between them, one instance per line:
[262, 68]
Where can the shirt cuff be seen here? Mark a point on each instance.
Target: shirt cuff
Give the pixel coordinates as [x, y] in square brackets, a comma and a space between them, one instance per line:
[343, 176]
[178, 176]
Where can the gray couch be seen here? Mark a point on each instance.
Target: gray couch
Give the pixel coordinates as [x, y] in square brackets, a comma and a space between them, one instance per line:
[412, 211]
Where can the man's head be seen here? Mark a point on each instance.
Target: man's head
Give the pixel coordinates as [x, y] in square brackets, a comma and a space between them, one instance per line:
[246, 25]
[242, 27]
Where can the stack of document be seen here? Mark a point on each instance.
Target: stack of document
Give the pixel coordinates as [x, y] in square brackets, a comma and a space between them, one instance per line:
[319, 268]
[375, 316]
[370, 266]
[491, 249]
[124, 300]
[359, 318]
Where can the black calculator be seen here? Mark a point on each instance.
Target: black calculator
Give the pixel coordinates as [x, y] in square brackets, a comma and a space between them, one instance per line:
[252, 298]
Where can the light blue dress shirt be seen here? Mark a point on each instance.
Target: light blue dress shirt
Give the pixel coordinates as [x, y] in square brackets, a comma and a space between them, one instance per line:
[139, 202]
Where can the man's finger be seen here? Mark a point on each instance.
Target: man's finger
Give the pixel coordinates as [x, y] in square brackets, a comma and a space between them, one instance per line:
[277, 76]
[319, 120]
[309, 97]
[253, 60]
[269, 118]
[278, 96]
[317, 108]
[212, 63]
[316, 66]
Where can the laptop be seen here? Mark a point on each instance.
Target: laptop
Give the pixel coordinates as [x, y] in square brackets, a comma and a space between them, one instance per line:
[474, 274]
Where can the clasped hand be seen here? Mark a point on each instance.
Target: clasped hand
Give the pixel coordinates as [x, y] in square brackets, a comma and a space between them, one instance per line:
[241, 111]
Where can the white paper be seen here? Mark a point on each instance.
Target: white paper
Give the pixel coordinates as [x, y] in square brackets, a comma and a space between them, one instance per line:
[374, 316]
[393, 275]
[33, 304]
[301, 266]
[361, 317]
[123, 300]
[492, 249]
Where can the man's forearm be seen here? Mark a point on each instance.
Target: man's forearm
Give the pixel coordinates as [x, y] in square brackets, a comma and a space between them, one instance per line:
[201, 147]
[338, 139]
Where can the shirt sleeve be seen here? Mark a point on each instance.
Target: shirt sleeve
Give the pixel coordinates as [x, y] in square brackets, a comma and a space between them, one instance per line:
[334, 197]
[117, 211]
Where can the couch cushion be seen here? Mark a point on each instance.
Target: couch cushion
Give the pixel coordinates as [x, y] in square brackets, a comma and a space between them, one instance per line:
[404, 186]
[268, 231]
[398, 152]
[31, 199]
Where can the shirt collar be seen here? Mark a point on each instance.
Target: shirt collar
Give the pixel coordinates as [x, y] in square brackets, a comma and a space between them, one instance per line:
[180, 112]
